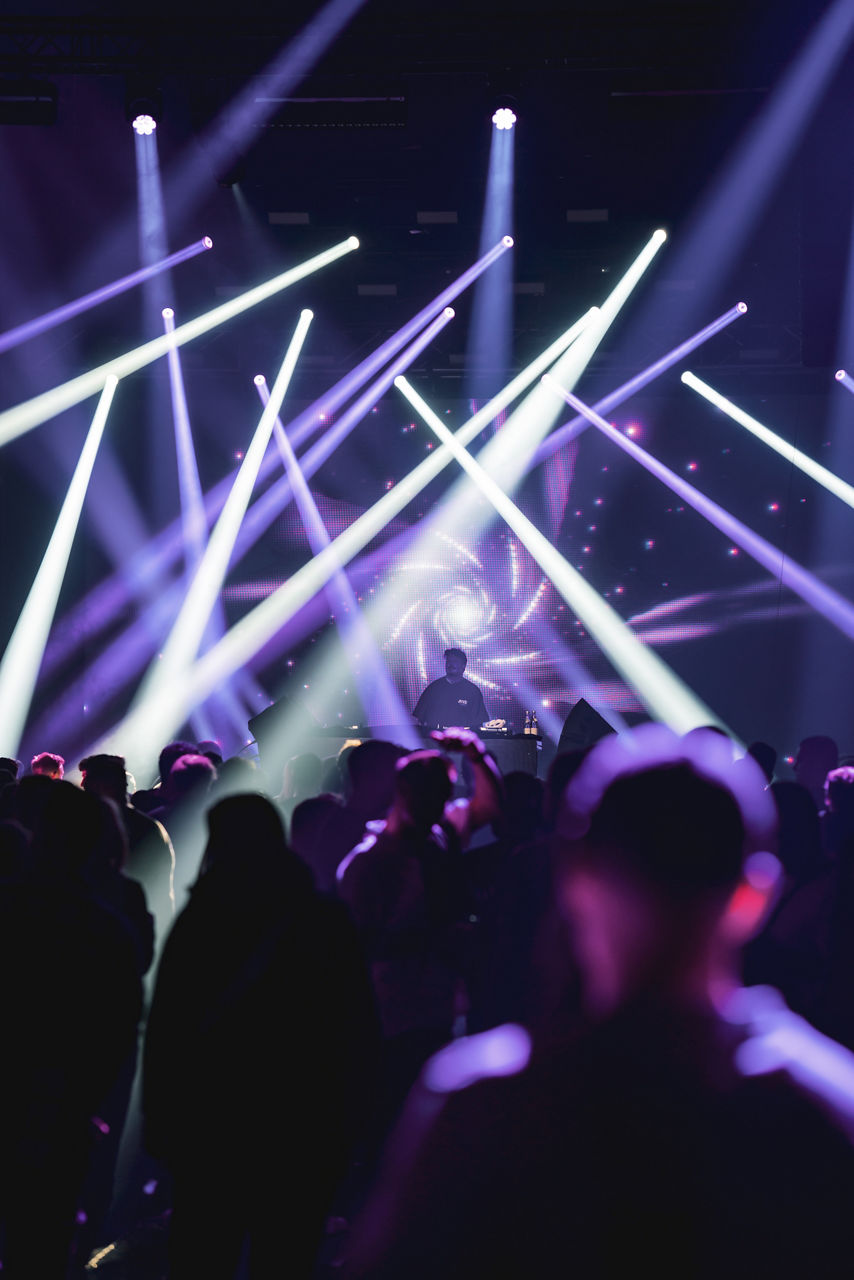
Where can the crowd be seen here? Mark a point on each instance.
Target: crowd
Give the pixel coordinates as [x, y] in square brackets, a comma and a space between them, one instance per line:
[389, 1017]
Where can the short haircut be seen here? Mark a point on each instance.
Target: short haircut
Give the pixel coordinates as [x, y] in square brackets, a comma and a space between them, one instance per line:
[109, 771]
[47, 762]
[170, 753]
[455, 652]
[839, 790]
[425, 784]
[671, 813]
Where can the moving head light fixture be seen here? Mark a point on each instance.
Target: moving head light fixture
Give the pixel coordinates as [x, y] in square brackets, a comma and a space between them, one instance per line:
[143, 103]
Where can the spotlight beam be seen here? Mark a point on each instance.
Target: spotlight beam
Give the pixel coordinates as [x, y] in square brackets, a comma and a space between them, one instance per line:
[359, 643]
[663, 693]
[151, 723]
[195, 528]
[19, 668]
[328, 673]
[22, 332]
[838, 487]
[508, 454]
[98, 608]
[578, 424]
[23, 417]
[827, 602]
[189, 484]
[189, 628]
[322, 449]
[108, 667]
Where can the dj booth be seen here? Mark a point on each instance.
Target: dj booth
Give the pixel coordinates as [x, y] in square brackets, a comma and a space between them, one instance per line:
[510, 752]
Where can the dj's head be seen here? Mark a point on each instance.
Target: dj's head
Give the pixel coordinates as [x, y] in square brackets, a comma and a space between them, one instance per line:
[455, 663]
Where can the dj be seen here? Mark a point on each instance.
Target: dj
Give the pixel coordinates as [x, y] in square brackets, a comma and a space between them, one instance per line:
[451, 700]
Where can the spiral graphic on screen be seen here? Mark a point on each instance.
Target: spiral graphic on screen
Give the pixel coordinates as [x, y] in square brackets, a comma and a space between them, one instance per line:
[484, 598]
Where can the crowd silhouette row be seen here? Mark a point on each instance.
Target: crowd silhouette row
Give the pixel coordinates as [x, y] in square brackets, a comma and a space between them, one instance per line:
[400, 1016]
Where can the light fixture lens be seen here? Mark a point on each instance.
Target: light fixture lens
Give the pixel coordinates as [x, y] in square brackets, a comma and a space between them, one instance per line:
[504, 118]
[259, 379]
[167, 313]
[207, 242]
[144, 124]
[840, 375]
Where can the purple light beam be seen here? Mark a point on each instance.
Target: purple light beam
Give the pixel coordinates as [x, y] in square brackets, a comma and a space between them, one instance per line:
[570, 430]
[23, 332]
[834, 607]
[98, 609]
[148, 626]
[359, 642]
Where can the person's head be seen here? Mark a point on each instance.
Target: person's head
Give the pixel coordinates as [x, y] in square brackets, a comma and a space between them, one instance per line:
[73, 831]
[455, 663]
[424, 786]
[246, 850]
[301, 776]
[237, 776]
[9, 765]
[815, 759]
[170, 753]
[765, 756]
[105, 776]
[244, 826]
[322, 834]
[666, 870]
[191, 776]
[48, 764]
[372, 773]
[839, 793]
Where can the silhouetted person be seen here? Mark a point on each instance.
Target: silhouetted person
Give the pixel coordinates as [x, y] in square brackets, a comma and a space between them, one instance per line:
[259, 1049]
[697, 1129]
[451, 700]
[186, 793]
[300, 780]
[405, 887]
[765, 756]
[837, 1009]
[522, 973]
[815, 759]
[238, 776]
[371, 772]
[8, 770]
[70, 998]
[792, 950]
[157, 796]
[322, 835]
[151, 858]
[48, 765]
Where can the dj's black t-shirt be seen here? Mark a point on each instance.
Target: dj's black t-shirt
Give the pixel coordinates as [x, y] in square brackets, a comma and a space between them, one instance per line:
[443, 704]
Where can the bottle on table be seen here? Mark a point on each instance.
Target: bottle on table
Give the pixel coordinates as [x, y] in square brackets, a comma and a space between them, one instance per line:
[527, 728]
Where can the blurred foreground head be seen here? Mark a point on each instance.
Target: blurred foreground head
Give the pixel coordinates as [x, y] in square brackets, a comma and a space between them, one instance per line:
[666, 870]
[424, 785]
